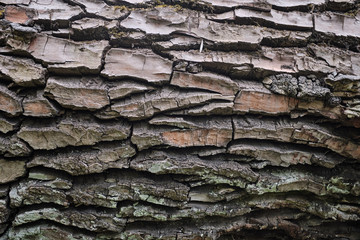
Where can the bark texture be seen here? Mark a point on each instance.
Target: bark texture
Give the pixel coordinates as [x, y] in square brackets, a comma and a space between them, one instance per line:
[179, 119]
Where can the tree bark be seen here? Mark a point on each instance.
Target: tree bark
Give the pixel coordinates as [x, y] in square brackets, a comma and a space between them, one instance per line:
[179, 119]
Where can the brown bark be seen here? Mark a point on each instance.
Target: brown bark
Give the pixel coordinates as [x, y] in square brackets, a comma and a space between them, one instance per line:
[179, 119]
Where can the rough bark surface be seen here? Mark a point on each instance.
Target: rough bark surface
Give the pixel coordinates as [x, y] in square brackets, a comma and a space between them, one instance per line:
[179, 119]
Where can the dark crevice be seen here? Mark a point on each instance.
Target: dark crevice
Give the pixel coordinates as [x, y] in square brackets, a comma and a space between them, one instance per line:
[343, 42]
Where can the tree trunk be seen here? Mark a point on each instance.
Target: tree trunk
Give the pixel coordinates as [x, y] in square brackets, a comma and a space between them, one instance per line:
[179, 119]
